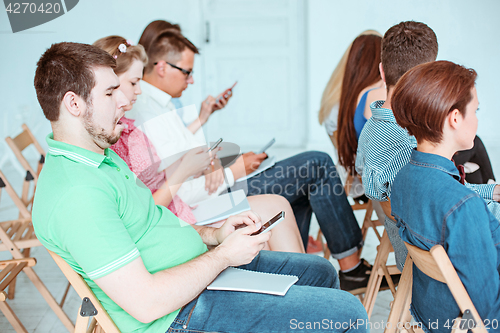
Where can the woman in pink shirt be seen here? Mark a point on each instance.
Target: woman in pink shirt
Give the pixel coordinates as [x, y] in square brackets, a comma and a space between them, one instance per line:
[140, 155]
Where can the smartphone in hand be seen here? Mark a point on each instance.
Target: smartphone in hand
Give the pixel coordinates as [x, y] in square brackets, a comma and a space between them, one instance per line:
[271, 223]
[215, 145]
[228, 92]
[266, 147]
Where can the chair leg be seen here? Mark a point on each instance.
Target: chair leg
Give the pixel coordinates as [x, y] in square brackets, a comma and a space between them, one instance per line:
[49, 298]
[12, 318]
[64, 296]
[12, 286]
[400, 307]
[81, 323]
[376, 275]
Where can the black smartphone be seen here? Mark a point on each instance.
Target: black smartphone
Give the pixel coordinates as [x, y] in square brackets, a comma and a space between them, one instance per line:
[271, 223]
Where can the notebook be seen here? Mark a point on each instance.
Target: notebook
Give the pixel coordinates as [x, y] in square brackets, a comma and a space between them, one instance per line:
[236, 279]
[266, 164]
[220, 208]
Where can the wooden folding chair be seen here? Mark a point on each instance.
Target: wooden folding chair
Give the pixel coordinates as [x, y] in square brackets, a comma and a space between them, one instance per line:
[380, 269]
[437, 265]
[18, 237]
[9, 269]
[91, 307]
[18, 144]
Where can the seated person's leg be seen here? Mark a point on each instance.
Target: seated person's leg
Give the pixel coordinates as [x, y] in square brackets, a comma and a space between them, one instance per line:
[312, 176]
[332, 310]
[286, 236]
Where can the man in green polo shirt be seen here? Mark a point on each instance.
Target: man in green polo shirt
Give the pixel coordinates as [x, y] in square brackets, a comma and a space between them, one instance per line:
[148, 268]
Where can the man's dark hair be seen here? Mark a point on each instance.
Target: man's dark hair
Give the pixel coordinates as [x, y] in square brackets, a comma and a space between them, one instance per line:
[168, 46]
[405, 46]
[67, 67]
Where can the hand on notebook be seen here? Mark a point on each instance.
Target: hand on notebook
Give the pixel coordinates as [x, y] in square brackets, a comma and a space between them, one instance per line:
[252, 161]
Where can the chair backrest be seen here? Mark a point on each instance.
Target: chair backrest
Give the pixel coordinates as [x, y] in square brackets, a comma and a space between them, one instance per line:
[437, 265]
[386, 206]
[4, 184]
[83, 290]
[19, 143]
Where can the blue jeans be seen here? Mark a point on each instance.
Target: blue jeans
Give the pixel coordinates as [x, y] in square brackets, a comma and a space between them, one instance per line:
[310, 182]
[314, 299]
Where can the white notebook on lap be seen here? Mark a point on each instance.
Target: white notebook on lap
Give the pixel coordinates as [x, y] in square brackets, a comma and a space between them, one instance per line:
[236, 279]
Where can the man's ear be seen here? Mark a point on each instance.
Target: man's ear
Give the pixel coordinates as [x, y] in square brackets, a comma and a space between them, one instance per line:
[455, 119]
[160, 68]
[74, 104]
[381, 69]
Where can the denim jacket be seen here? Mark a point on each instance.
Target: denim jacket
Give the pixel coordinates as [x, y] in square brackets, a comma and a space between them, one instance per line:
[432, 207]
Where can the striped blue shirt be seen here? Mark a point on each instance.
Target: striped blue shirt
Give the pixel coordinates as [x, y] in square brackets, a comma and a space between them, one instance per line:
[384, 148]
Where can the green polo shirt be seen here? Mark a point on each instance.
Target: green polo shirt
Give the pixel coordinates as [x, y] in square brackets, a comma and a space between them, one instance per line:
[93, 211]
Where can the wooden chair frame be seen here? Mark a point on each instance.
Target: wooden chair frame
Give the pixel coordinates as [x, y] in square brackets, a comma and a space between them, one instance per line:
[380, 268]
[437, 265]
[17, 145]
[89, 301]
[18, 237]
[9, 269]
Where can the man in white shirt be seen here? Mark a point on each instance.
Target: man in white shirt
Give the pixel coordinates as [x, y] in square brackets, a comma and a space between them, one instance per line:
[309, 181]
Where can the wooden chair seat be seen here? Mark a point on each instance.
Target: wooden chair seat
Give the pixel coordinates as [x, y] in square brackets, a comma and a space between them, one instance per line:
[437, 265]
[9, 270]
[21, 233]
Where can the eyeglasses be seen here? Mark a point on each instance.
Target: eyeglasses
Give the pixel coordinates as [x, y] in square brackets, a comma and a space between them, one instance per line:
[184, 71]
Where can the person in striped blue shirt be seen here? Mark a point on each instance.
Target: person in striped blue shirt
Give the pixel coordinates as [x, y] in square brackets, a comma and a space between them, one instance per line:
[384, 147]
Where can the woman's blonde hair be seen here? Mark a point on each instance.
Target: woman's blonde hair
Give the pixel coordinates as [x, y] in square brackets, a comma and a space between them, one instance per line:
[331, 94]
[123, 51]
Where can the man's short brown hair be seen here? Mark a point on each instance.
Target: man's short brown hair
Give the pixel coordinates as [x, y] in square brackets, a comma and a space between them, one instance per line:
[426, 94]
[168, 46]
[405, 46]
[67, 67]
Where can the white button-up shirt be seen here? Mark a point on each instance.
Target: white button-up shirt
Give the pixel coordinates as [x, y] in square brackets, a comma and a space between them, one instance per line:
[155, 116]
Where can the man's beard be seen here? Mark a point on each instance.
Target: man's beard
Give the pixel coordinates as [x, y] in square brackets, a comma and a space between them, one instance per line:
[99, 136]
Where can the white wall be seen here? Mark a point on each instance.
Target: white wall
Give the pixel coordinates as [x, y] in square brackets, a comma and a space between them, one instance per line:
[466, 34]
[87, 22]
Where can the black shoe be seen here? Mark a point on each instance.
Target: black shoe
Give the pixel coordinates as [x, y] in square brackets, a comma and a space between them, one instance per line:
[356, 280]
[362, 199]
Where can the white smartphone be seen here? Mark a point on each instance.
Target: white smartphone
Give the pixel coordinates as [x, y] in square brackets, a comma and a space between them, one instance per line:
[215, 145]
[266, 147]
[271, 223]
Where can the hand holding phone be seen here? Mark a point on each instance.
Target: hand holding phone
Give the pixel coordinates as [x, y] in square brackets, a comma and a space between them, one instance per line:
[271, 223]
[227, 93]
[215, 145]
[267, 146]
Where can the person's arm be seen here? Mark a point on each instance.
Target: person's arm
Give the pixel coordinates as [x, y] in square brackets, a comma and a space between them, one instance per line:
[472, 242]
[208, 106]
[192, 163]
[147, 296]
[246, 164]
[486, 191]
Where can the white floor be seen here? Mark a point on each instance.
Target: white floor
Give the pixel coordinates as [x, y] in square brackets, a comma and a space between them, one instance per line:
[36, 315]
